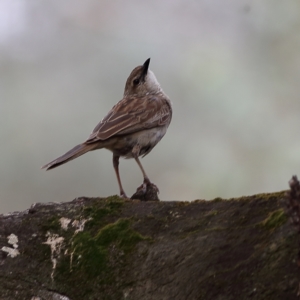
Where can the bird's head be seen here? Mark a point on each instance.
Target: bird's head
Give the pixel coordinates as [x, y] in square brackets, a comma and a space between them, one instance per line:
[142, 81]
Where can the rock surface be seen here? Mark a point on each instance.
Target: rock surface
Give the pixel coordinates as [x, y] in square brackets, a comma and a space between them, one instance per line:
[110, 248]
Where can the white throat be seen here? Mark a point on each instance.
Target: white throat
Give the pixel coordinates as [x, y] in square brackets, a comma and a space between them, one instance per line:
[152, 83]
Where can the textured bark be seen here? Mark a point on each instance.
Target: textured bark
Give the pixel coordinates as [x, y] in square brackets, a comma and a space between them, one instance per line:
[109, 248]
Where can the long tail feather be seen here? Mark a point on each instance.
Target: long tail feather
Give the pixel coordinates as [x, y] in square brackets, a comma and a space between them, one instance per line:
[71, 154]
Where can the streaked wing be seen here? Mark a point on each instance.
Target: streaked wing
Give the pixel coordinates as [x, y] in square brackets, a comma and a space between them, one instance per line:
[131, 115]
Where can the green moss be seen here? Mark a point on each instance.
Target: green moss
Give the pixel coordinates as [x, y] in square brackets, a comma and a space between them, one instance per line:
[90, 253]
[115, 198]
[102, 209]
[120, 234]
[96, 255]
[275, 219]
[88, 257]
[51, 224]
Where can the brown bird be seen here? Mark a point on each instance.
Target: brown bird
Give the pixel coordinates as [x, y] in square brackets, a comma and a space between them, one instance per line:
[132, 127]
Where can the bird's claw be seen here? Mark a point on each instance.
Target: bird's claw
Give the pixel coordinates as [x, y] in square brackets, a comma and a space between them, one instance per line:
[147, 191]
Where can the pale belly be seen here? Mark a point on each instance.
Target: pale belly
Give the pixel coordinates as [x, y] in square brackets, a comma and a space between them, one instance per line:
[146, 140]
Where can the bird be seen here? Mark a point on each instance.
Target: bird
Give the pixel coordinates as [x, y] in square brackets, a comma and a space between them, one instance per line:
[133, 126]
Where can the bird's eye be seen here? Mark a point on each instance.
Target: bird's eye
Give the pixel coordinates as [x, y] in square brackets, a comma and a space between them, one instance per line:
[136, 81]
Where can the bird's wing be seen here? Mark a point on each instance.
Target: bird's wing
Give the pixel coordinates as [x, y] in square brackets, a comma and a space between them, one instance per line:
[130, 115]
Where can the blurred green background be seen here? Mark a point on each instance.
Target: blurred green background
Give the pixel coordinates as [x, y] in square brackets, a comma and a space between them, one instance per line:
[231, 69]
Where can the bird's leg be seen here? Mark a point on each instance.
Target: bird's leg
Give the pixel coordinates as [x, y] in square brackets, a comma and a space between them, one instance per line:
[148, 190]
[146, 178]
[135, 153]
[116, 167]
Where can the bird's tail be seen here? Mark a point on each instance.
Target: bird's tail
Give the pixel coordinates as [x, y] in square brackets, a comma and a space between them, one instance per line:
[71, 154]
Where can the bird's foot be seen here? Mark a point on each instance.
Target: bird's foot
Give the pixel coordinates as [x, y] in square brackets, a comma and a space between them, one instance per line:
[123, 195]
[147, 191]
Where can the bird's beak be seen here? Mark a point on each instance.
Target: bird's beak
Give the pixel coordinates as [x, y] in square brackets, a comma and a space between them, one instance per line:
[145, 68]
